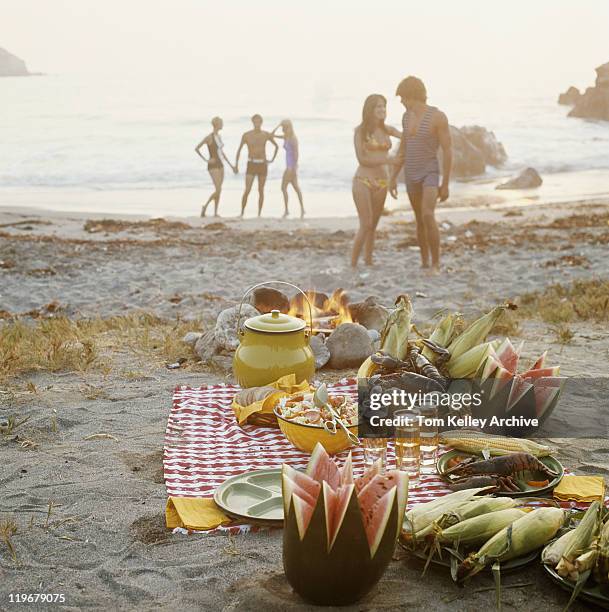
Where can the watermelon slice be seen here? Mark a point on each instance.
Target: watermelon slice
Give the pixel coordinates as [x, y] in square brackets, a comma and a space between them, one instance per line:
[376, 519]
[335, 506]
[520, 387]
[304, 513]
[379, 486]
[321, 468]
[544, 397]
[540, 361]
[508, 356]
[346, 471]
[298, 483]
[488, 366]
[541, 372]
[502, 378]
[372, 471]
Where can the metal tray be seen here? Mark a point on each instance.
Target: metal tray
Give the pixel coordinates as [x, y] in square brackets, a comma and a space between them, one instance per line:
[254, 496]
[591, 591]
[525, 490]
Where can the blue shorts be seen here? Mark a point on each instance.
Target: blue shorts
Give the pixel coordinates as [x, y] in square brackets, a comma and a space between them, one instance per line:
[415, 188]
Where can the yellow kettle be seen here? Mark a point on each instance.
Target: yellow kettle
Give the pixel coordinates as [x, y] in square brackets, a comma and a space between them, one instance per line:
[272, 345]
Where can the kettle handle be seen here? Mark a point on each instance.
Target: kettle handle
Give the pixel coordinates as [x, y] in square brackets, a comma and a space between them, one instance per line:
[248, 291]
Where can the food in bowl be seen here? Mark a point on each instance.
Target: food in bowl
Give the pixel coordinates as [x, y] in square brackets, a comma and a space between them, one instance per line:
[301, 408]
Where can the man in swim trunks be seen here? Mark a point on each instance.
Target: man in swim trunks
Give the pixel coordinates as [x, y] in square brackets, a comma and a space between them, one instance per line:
[257, 163]
[425, 130]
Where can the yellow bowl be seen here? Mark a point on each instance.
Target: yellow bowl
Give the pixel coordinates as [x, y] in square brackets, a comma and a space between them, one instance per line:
[305, 437]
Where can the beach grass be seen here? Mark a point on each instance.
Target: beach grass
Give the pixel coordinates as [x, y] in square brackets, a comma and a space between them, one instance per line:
[63, 344]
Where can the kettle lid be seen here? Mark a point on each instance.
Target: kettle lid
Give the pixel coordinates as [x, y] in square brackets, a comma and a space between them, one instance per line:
[275, 322]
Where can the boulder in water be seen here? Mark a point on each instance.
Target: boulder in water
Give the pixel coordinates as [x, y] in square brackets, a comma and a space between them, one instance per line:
[594, 103]
[11, 65]
[569, 97]
[527, 179]
[474, 148]
[485, 141]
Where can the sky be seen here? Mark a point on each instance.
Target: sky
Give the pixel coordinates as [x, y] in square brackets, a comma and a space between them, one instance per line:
[331, 44]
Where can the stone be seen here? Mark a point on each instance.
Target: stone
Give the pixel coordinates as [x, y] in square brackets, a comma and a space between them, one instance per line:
[320, 350]
[375, 336]
[11, 65]
[206, 347]
[369, 313]
[226, 325]
[265, 299]
[485, 141]
[527, 179]
[349, 345]
[594, 103]
[191, 338]
[569, 97]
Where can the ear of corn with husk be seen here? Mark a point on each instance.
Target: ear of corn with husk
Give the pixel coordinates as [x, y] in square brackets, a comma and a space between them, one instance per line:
[441, 335]
[476, 442]
[477, 507]
[552, 553]
[475, 333]
[601, 571]
[580, 543]
[468, 363]
[524, 535]
[479, 529]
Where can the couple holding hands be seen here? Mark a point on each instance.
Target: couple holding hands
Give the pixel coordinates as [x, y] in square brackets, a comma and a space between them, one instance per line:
[257, 165]
[424, 131]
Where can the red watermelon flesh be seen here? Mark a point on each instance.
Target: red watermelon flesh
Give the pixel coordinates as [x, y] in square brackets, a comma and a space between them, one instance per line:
[298, 483]
[346, 472]
[541, 372]
[508, 356]
[379, 486]
[376, 517]
[363, 480]
[540, 361]
[303, 512]
[502, 378]
[322, 469]
[520, 387]
[335, 505]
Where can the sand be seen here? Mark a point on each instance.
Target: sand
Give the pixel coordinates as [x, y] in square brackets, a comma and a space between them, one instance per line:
[104, 544]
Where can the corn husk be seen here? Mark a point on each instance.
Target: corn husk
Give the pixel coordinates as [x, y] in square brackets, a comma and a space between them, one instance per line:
[475, 442]
[476, 507]
[601, 571]
[478, 529]
[394, 337]
[552, 553]
[528, 533]
[476, 333]
[585, 533]
[441, 335]
[467, 364]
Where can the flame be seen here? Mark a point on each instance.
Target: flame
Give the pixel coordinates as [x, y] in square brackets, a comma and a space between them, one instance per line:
[328, 312]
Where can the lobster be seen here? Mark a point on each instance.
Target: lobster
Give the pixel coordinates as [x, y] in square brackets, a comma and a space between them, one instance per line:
[505, 484]
[503, 465]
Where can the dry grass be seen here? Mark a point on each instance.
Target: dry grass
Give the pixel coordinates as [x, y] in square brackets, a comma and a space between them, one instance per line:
[8, 528]
[584, 300]
[62, 344]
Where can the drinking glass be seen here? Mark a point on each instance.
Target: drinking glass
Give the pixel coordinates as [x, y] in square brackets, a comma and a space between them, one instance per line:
[429, 436]
[408, 443]
[375, 449]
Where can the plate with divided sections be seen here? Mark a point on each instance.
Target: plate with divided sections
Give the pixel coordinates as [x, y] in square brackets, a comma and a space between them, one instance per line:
[255, 496]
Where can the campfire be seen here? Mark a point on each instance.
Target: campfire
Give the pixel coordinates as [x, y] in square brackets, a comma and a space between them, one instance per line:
[328, 311]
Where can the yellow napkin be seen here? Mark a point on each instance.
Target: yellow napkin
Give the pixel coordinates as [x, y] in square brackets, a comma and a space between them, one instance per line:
[580, 488]
[198, 513]
[285, 385]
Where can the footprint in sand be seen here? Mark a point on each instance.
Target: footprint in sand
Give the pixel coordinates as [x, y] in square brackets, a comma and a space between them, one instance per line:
[148, 466]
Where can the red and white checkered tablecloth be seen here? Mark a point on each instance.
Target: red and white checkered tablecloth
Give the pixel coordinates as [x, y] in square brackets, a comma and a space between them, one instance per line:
[204, 445]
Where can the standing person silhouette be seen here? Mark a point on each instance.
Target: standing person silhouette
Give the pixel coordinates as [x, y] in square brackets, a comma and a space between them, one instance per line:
[257, 163]
[290, 174]
[425, 130]
[215, 165]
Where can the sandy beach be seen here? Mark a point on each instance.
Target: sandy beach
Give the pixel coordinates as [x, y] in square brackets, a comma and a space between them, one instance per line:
[89, 508]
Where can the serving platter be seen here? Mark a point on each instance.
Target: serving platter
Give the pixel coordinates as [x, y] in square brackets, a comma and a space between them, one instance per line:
[521, 478]
[590, 592]
[254, 496]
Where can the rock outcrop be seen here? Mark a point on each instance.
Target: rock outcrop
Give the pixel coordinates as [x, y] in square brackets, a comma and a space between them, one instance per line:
[594, 103]
[527, 179]
[474, 148]
[11, 65]
[569, 97]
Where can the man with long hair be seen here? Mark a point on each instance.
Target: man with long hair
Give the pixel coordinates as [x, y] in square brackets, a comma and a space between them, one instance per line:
[257, 164]
[425, 130]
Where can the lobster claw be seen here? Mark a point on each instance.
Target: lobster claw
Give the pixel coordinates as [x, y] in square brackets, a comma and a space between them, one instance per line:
[460, 466]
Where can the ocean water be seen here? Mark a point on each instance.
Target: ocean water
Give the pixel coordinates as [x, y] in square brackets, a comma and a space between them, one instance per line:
[82, 138]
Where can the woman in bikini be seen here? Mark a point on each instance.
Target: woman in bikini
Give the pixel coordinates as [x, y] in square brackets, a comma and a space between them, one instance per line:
[290, 175]
[215, 165]
[372, 144]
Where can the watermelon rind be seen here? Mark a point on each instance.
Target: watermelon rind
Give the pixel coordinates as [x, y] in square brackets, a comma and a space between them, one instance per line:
[295, 482]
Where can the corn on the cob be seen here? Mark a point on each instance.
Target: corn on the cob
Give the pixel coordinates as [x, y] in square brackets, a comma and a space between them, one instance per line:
[528, 533]
[476, 507]
[476, 333]
[476, 442]
[423, 515]
[479, 529]
[467, 364]
[552, 553]
[441, 335]
[585, 532]
[394, 337]
[601, 571]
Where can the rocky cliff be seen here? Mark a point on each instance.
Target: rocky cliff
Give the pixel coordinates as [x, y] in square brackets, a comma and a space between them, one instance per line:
[594, 102]
[11, 65]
